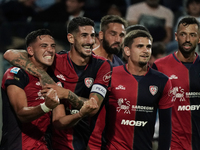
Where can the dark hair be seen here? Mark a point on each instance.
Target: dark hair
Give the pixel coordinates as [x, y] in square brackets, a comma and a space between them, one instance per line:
[191, 1]
[186, 21]
[136, 27]
[32, 36]
[111, 19]
[79, 21]
[128, 40]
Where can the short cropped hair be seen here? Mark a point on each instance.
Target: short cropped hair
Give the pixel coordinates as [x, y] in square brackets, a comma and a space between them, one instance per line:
[136, 27]
[129, 38]
[79, 21]
[111, 19]
[186, 21]
[32, 36]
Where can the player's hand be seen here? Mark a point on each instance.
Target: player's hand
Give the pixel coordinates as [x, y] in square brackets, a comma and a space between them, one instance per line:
[51, 98]
[61, 92]
[88, 107]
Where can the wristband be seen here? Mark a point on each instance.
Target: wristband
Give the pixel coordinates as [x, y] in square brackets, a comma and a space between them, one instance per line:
[45, 108]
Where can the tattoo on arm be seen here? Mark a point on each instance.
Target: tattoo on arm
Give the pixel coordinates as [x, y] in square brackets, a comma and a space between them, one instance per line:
[23, 62]
[75, 101]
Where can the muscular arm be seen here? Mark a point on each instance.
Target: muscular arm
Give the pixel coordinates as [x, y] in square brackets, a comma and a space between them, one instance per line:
[19, 58]
[164, 129]
[76, 101]
[18, 101]
[62, 121]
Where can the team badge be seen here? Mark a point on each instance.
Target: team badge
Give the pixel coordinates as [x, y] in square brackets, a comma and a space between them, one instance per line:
[153, 89]
[89, 81]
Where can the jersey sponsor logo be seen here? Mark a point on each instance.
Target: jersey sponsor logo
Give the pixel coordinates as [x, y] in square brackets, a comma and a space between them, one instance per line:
[96, 88]
[133, 123]
[188, 107]
[120, 87]
[192, 94]
[177, 93]
[60, 76]
[153, 89]
[15, 70]
[88, 82]
[173, 76]
[124, 105]
[107, 76]
[142, 108]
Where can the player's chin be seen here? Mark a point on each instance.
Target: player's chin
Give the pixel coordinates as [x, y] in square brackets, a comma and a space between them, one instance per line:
[48, 63]
[143, 63]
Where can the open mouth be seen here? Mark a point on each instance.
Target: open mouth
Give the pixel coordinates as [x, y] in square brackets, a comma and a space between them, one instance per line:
[48, 57]
[187, 46]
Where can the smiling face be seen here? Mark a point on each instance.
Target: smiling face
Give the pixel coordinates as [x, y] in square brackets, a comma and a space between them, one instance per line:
[113, 38]
[139, 52]
[187, 37]
[42, 51]
[83, 41]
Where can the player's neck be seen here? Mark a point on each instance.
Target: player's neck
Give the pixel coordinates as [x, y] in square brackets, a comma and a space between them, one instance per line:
[38, 65]
[186, 57]
[136, 69]
[77, 59]
[101, 52]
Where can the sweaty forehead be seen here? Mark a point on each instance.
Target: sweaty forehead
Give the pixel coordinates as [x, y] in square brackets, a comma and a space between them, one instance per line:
[86, 29]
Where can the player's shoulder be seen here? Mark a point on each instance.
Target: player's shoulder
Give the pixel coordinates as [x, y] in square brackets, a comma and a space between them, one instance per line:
[14, 70]
[119, 69]
[158, 74]
[94, 56]
[164, 60]
[100, 60]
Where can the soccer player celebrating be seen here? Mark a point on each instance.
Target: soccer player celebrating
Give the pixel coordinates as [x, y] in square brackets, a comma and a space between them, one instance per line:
[26, 113]
[182, 67]
[85, 77]
[136, 93]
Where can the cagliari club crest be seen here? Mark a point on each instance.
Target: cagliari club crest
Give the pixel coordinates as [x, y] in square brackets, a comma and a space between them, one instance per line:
[88, 82]
[153, 89]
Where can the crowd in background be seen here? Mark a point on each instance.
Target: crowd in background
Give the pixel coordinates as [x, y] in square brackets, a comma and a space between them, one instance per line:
[19, 17]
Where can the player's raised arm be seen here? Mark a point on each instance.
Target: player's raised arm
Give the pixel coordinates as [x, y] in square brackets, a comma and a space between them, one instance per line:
[19, 58]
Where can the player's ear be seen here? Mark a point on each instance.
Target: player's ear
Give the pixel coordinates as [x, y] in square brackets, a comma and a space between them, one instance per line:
[70, 38]
[176, 36]
[30, 50]
[127, 51]
[100, 35]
